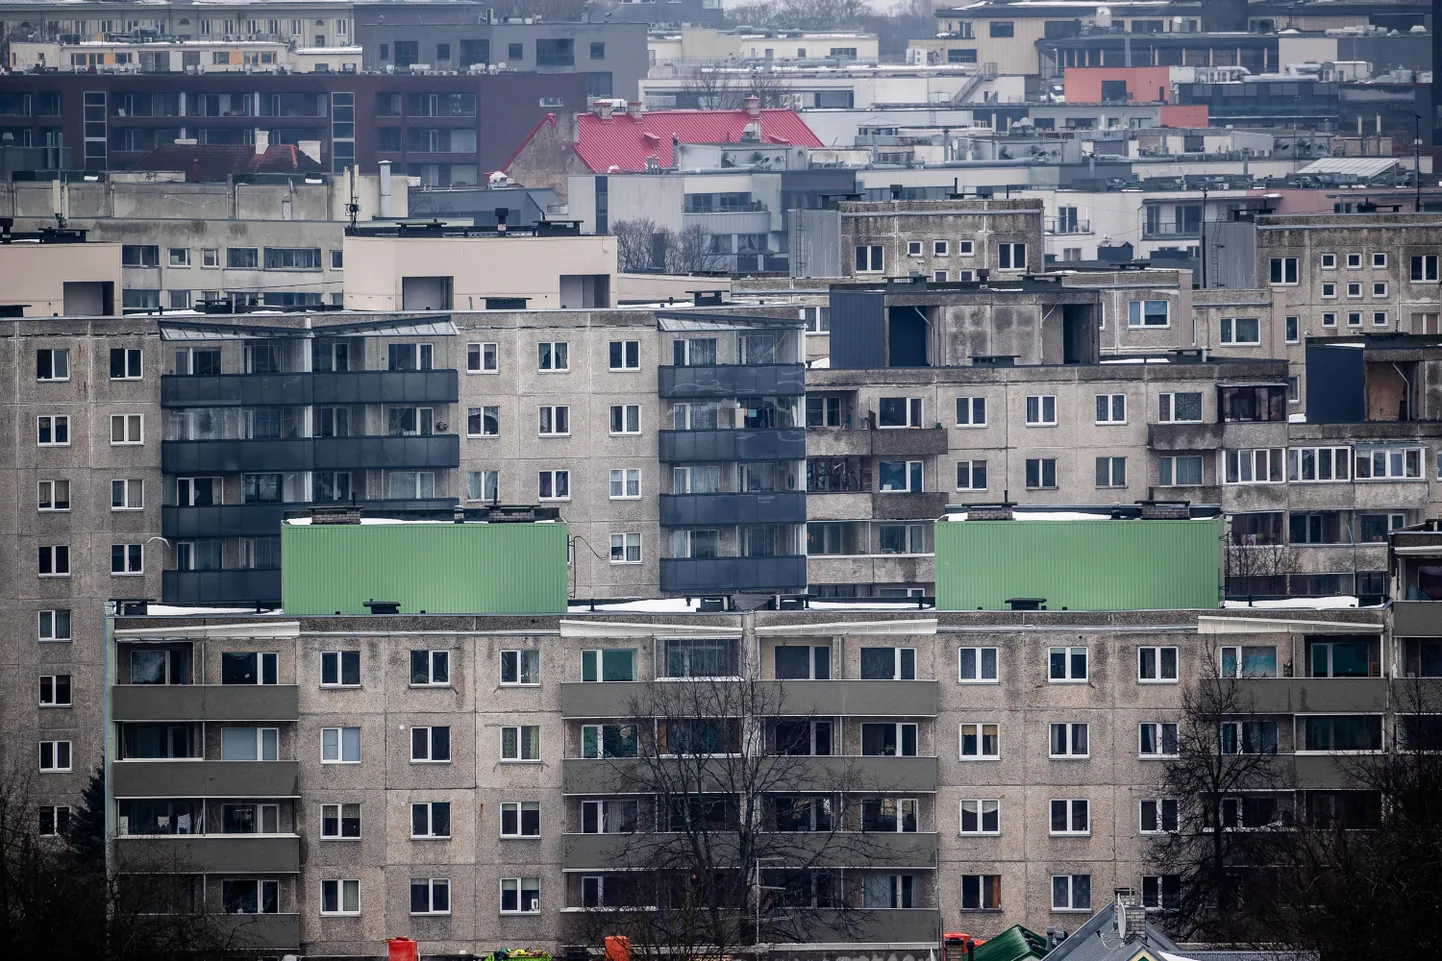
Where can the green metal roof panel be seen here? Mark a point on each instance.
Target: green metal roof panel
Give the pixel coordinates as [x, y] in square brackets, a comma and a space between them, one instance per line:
[1016, 943]
[1081, 565]
[438, 568]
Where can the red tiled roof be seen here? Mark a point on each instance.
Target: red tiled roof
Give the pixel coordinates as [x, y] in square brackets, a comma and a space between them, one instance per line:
[216, 162]
[625, 144]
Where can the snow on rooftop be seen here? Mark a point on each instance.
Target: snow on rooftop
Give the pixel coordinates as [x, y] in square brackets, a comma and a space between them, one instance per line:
[1136, 360]
[175, 610]
[1021, 514]
[1295, 603]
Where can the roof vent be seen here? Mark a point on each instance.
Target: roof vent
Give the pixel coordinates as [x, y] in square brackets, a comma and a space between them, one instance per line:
[383, 607]
[1026, 603]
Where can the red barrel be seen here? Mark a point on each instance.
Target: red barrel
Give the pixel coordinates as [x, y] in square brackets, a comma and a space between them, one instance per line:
[618, 948]
[403, 949]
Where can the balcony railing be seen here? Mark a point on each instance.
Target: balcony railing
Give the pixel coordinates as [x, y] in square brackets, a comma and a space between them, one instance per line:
[210, 853]
[201, 457]
[746, 444]
[262, 520]
[241, 779]
[205, 702]
[728, 575]
[243, 587]
[1173, 231]
[733, 380]
[752, 507]
[325, 387]
[1068, 225]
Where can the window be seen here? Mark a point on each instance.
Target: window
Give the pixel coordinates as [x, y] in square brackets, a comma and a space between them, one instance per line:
[483, 421]
[520, 895]
[1069, 741]
[700, 657]
[889, 815]
[52, 364]
[127, 558]
[340, 669]
[913, 248]
[1070, 816]
[54, 625]
[625, 483]
[1161, 891]
[210, 257]
[1347, 732]
[1379, 318]
[1379, 261]
[127, 429]
[483, 358]
[1040, 472]
[1262, 466]
[1354, 261]
[900, 476]
[1041, 410]
[1147, 313]
[520, 819]
[125, 363]
[340, 897]
[981, 816]
[242, 258]
[609, 817]
[1180, 471]
[978, 665]
[1111, 471]
[1379, 288]
[179, 257]
[980, 742]
[625, 355]
[971, 475]
[1329, 290]
[430, 668]
[625, 418]
[292, 258]
[52, 495]
[340, 821]
[1309, 464]
[1387, 464]
[248, 667]
[598, 50]
[899, 412]
[971, 412]
[554, 421]
[1157, 815]
[552, 355]
[1284, 271]
[340, 745]
[54, 821]
[1249, 737]
[609, 740]
[54, 560]
[139, 255]
[608, 665]
[554, 485]
[1157, 664]
[1424, 268]
[1156, 740]
[54, 757]
[965, 247]
[127, 495]
[940, 248]
[626, 548]
[1339, 658]
[1240, 330]
[888, 739]
[1354, 319]
[870, 259]
[52, 430]
[888, 663]
[1329, 320]
[430, 896]
[888, 891]
[431, 820]
[483, 485]
[430, 745]
[1071, 892]
[249, 744]
[1354, 290]
[521, 667]
[1111, 408]
[55, 690]
[522, 743]
[250, 896]
[1329, 261]
[1179, 408]
[1067, 665]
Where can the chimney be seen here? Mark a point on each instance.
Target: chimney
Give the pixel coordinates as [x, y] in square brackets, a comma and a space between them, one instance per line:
[502, 215]
[753, 106]
[1129, 915]
[262, 141]
[635, 109]
[311, 148]
[1166, 510]
[604, 109]
[348, 514]
[385, 166]
[990, 512]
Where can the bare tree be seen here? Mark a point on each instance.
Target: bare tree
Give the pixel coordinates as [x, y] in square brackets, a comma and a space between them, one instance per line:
[1257, 566]
[690, 251]
[769, 87]
[710, 86]
[635, 244]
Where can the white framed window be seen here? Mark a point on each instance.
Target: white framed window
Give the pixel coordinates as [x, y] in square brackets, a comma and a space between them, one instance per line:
[1283, 272]
[1070, 816]
[1379, 261]
[483, 358]
[553, 355]
[127, 494]
[940, 248]
[54, 757]
[1068, 740]
[971, 412]
[609, 817]
[1248, 661]
[1040, 473]
[899, 412]
[1067, 665]
[1161, 891]
[1354, 261]
[55, 690]
[1329, 319]
[127, 558]
[1354, 318]
[980, 816]
[1011, 256]
[340, 822]
[483, 485]
[980, 741]
[1379, 318]
[625, 419]
[966, 247]
[608, 740]
[431, 820]
[1111, 408]
[1041, 410]
[1328, 261]
[624, 355]
[888, 663]
[52, 363]
[126, 363]
[1156, 740]
[520, 895]
[626, 548]
[340, 669]
[1354, 291]
[1379, 288]
[1157, 815]
[817, 319]
[978, 665]
[520, 819]
[431, 745]
[483, 421]
[1390, 463]
[554, 420]
[1111, 471]
[1179, 407]
[981, 892]
[54, 560]
[870, 259]
[1292, 329]
[553, 485]
[430, 668]
[250, 744]
[521, 668]
[54, 820]
[52, 495]
[127, 429]
[1424, 269]
[913, 248]
[340, 897]
[430, 896]
[54, 625]
[900, 476]
[1252, 466]
[210, 257]
[52, 430]
[340, 745]
[611, 664]
[1294, 388]
[1182, 470]
[971, 475]
[1329, 290]
[625, 483]
[1241, 331]
[1148, 313]
[521, 743]
[1157, 665]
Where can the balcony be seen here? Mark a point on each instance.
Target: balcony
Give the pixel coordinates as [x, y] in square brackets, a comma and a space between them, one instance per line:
[326, 387]
[210, 854]
[880, 442]
[894, 927]
[310, 453]
[709, 446]
[1313, 695]
[732, 380]
[258, 520]
[754, 220]
[272, 931]
[200, 779]
[848, 698]
[205, 702]
[909, 505]
[819, 849]
[891, 775]
[243, 587]
[1164, 437]
[723, 508]
[729, 575]
[1066, 226]
[1173, 231]
[1417, 618]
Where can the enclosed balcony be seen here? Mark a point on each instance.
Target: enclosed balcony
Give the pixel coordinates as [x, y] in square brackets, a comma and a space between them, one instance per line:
[257, 520]
[227, 586]
[213, 853]
[197, 778]
[725, 575]
[732, 380]
[745, 444]
[202, 457]
[205, 702]
[320, 387]
[721, 508]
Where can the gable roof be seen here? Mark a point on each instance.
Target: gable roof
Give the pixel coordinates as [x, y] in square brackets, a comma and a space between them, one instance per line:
[1096, 940]
[624, 143]
[1016, 943]
[217, 162]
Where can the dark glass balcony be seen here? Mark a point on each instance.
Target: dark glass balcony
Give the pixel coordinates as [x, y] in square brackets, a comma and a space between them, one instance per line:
[240, 779]
[214, 854]
[909, 505]
[204, 702]
[326, 387]
[726, 575]
[686, 446]
[754, 507]
[310, 453]
[241, 587]
[261, 520]
[733, 380]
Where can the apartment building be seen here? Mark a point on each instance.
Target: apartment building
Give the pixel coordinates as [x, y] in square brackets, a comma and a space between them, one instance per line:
[50, 272]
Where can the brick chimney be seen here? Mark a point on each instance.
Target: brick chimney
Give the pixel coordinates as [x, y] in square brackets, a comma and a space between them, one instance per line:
[1166, 510]
[604, 109]
[635, 109]
[347, 514]
[753, 106]
[990, 512]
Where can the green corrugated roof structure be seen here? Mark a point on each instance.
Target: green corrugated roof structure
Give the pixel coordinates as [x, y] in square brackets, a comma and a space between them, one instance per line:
[436, 567]
[1081, 565]
[1016, 943]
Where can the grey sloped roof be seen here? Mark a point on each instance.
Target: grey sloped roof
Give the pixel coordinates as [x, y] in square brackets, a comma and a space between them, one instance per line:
[1097, 940]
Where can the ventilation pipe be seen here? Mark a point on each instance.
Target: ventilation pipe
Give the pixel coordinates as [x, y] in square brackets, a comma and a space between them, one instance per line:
[385, 188]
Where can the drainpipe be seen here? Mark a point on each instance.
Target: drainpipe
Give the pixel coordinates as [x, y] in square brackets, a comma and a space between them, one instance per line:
[385, 166]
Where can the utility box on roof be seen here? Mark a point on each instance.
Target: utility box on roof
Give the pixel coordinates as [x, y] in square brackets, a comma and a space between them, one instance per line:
[1096, 564]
